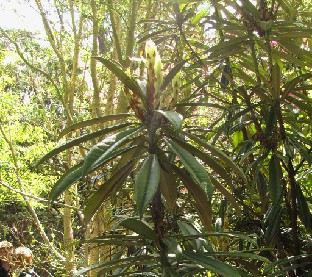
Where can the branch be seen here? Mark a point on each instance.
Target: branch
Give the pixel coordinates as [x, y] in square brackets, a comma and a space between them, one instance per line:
[17, 191]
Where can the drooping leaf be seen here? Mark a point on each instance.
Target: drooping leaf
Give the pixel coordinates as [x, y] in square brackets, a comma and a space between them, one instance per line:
[213, 264]
[103, 150]
[119, 263]
[139, 227]
[195, 169]
[275, 179]
[99, 196]
[304, 211]
[81, 139]
[205, 157]
[287, 260]
[290, 85]
[146, 183]
[228, 48]
[276, 81]
[169, 188]
[301, 149]
[201, 202]
[220, 154]
[262, 188]
[250, 9]
[174, 118]
[93, 121]
[71, 176]
[272, 221]
[124, 78]
[240, 254]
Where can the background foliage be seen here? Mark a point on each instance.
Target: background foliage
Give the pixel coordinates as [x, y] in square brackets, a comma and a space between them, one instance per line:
[181, 137]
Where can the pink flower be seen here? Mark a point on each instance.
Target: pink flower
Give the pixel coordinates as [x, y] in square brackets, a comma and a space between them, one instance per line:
[273, 43]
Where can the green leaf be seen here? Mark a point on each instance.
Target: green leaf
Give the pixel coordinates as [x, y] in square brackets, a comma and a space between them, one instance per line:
[290, 85]
[270, 123]
[98, 197]
[173, 72]
[200, 15]
[93, 121]
[275, 179]
[212, 264]
[174, 118]
[194, 168]
[119, 263]
[276, 81]
[250, 9]
[228, 48]
[146, 183]
[102, 151]
[240, 254]
[67, 179]
[139, 227]
[237, 138]
[301, 148]
[169, 188]
[201, 202]
[81, 139]
[218, 153]
[123, 77]
[304, 211]
[272, 221]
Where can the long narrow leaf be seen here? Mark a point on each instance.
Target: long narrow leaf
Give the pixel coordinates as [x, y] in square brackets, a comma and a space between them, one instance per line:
[146, 183]
[139, 227]
[96, 200]
[93, 121]
[212, 264]
[123, 77]
[108, 266]
[201, 202]
[217, 152]
[71, 176]
[195, 169]
[81, 139]
[101, 151]
[174, 118]
[275, 179]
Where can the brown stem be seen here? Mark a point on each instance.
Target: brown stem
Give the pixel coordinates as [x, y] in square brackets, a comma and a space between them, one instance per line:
[158, 220]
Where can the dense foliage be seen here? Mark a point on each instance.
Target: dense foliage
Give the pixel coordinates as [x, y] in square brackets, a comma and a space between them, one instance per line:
[185, 132]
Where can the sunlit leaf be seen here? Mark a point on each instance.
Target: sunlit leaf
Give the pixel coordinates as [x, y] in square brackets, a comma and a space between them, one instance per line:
[173, 72]
[217, 152]
[93, 121]
[124, 78]
[103, 150]
[174, 118]
[237, 138]
[81, 139]
[196, 170]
